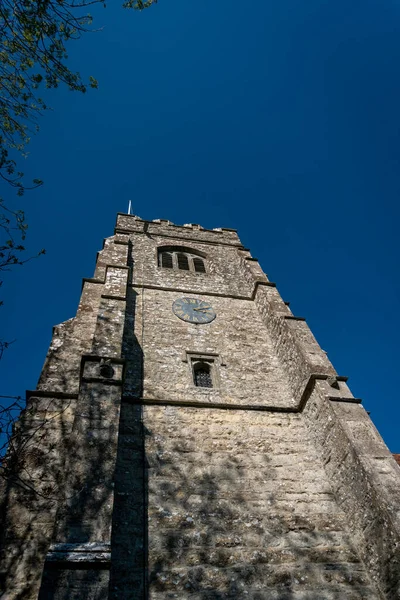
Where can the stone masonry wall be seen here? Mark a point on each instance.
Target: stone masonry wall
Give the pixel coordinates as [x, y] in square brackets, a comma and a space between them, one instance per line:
[238, 506]
[248, 370]
[364, 474]
[223, 268]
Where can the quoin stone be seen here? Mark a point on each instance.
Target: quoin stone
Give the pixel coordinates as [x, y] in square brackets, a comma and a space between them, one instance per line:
[189, 439]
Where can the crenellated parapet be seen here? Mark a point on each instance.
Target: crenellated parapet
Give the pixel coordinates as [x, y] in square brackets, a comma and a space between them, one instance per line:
[127, 224]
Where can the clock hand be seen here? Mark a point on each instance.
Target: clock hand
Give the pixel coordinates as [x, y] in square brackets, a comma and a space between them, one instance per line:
[203, 308]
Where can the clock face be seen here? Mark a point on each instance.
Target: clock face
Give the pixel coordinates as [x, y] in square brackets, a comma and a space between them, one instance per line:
[193, 310]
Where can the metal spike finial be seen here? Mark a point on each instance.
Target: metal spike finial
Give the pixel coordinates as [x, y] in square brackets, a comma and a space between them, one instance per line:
[129, 207]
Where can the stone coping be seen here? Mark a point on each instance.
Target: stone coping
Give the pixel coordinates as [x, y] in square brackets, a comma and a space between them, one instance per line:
[91, 552]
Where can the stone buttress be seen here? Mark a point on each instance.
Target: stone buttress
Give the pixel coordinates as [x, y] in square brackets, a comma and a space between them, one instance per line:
[131, 482]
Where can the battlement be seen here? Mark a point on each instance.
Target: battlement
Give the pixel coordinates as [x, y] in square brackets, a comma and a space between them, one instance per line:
[133, 224]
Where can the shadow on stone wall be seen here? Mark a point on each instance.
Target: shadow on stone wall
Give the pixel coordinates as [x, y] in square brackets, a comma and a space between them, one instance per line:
[212, 539]
[129, 529]
[196, 530]
[182, 528]
[128, 576]
[30, 492]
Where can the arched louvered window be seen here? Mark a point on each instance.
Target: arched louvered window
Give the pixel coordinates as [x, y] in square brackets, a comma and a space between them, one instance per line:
[165, 260]
[202, 374]
[182, 258]
[183, 261]
[198, 264]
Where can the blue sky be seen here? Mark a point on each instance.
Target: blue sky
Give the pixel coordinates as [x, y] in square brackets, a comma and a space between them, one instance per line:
[280, 119]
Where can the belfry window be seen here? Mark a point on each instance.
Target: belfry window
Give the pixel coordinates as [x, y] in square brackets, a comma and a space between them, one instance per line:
[202, 374]
[165, 260]
[182, 259]
[198, 264]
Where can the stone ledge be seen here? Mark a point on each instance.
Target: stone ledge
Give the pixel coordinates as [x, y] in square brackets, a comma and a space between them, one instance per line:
[111, 297]
[259, 282]
[92, 552]
[103, 281]
[184, 290]
[202, 404]
[102, 380]
[310, 387]
[47, 394]
[293, 318]
[98, 358]
[92, 280]
[345, 399]
[189, 291]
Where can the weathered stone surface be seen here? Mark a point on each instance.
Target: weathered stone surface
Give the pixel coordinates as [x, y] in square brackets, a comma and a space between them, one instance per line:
[273, 484]
[251, 374]
[247, 502]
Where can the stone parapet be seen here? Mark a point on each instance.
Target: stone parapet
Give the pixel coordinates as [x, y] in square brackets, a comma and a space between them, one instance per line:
[162, 227]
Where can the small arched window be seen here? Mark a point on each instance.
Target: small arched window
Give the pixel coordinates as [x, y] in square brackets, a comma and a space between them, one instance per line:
[165, 260]
[198, 264]
[183, 261]
[202, 374]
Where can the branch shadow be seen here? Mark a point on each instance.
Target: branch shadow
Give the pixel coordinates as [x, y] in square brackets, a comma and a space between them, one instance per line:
[218, 527]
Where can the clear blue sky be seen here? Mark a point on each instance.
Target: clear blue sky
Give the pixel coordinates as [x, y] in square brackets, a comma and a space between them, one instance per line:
[280, 119]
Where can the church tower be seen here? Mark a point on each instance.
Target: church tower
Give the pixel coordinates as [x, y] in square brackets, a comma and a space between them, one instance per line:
[189, 439]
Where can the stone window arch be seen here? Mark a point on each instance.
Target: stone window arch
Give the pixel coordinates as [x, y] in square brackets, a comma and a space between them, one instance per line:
[182, 258]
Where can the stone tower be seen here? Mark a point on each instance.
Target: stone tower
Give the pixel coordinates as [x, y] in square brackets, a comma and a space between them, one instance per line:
[189, 439]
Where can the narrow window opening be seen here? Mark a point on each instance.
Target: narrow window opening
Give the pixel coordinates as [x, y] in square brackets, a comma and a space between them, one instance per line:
[183, 261]
[202, 374]
[166, 260]
[199, 265]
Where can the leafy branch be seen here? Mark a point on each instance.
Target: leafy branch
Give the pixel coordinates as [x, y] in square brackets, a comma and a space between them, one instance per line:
[34, 35]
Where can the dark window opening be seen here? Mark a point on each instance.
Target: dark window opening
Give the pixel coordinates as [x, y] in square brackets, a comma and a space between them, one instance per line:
[166, 260]
[199, 265]
[183, 261]
[202, 375]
